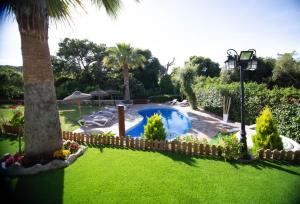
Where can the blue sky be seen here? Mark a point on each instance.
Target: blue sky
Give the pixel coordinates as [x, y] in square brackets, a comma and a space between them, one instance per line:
[178, 29]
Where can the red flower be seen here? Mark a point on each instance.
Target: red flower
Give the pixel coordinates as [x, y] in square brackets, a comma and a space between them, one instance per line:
[12, 107]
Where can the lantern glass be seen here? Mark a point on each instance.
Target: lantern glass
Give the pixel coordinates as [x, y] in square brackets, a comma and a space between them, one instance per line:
[231, 63]
[246, 55]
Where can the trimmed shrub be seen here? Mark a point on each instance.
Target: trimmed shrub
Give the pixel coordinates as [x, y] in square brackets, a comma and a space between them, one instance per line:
[154, 129]
[267, 136]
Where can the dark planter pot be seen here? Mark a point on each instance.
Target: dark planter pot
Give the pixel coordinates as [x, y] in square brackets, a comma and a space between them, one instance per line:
[9, 129]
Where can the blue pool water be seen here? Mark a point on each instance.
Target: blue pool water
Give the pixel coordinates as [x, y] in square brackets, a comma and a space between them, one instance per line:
[175, 122]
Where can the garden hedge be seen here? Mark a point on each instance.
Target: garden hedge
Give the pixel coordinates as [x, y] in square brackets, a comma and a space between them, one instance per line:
[283, 102]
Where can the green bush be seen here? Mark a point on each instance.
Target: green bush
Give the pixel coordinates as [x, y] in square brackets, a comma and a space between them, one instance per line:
[154, 129]
[283, 102]
[288, 117]
[267, 136]
[231, 147]
[192, 139]
[163, 98]
[11, 84]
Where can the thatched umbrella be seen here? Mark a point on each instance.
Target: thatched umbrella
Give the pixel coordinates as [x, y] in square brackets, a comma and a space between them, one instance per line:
[99, 93]
[113, 92]
[78, 96]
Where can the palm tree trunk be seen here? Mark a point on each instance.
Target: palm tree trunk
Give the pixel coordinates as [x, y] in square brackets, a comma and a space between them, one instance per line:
[42, 126]
[126, 82]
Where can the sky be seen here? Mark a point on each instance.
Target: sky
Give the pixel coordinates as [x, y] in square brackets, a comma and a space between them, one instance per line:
[180, 29]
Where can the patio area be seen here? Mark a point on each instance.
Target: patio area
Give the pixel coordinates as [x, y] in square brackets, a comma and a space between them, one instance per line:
[203, 124]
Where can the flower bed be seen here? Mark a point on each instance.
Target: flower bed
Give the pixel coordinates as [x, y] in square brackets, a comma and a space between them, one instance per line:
[12, 164]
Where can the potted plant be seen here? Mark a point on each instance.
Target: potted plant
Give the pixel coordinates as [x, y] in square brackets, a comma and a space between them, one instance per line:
[226, 107]
[15, 124]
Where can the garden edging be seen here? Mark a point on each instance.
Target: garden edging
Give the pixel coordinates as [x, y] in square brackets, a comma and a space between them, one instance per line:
[37, 168]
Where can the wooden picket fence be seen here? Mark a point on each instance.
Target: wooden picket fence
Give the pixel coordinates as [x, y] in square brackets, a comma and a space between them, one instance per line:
[292, 156]
[150, 145]
[194, 149]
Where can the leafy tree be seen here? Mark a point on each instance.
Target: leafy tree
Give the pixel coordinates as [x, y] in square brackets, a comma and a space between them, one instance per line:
[287, 71]
[166, 85]
[204, 66]
[124, 57]
[11, 83]
[187, 75]
[148, 75]
[81, 54]
[42, 126]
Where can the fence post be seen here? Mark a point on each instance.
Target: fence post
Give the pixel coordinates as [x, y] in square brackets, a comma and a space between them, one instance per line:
[121, 118]
[117, 141]
[150, 143]
[268, 154]
[207, 149]
[282, 154]
[220, 150]
[183, 149]
[260, 153]
[127, 142]
[196, 149]
[122, 141]
[142, 144]
[201, 149]
[137, 143]
[214, 150]
[162, 145]
[289, 155]
[178, 147]
[155, 145]
[131, 142]
[297, 156]
[173, 146]
[275, 154]
[190, 148]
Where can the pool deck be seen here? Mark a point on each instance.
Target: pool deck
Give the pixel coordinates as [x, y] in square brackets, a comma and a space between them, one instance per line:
[203, 124]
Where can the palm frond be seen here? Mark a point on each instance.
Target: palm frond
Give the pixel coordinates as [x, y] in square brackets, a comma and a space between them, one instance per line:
[6, 9]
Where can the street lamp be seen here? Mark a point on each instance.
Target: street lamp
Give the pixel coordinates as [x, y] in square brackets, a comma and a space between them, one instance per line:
[245, 61]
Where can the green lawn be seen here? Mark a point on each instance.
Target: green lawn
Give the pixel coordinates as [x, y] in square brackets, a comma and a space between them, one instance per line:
[68, 114]
[111, 175]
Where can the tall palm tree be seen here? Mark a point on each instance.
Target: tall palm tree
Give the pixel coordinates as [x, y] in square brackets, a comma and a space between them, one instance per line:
[124, 57]
[42, 126]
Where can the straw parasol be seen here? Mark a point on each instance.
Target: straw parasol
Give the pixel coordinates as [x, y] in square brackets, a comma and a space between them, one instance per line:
[113, 92]
[99, 93]
[78, 96]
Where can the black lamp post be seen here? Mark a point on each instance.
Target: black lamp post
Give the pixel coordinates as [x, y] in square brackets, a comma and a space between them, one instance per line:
[245, 61]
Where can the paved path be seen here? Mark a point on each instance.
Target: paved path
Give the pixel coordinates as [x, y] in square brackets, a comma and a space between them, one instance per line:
[203, 124]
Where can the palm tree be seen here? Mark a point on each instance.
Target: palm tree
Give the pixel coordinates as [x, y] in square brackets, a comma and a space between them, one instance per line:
[124, 57]
[42, 126]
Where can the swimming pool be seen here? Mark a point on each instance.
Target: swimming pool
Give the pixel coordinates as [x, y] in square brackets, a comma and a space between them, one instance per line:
[174, 121]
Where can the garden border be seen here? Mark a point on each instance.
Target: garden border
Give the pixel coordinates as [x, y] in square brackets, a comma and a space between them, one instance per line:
[189, 148]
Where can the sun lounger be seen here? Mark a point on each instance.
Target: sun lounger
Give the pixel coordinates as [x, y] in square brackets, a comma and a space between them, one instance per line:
[103, 113]
[98, 120]
[184, 103]
[173, 102]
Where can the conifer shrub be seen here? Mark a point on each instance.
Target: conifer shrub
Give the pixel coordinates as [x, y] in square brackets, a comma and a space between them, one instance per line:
[154, 129]
[267, 136]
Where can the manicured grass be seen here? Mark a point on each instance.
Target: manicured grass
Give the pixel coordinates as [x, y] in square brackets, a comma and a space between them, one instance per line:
[68, 114]
[109, 175]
